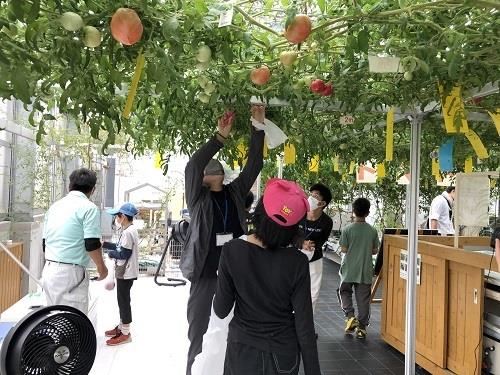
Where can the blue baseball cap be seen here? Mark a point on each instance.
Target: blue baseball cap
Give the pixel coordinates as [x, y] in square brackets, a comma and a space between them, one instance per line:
[126, 209]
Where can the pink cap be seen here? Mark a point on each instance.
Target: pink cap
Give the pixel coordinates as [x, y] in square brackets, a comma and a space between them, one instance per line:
[284, 202]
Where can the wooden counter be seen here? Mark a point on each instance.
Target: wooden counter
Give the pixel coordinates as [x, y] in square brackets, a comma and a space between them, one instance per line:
[449, 312]
[10, 277]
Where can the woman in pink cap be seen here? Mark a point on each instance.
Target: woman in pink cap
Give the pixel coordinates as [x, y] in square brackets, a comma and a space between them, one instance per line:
[268, 283]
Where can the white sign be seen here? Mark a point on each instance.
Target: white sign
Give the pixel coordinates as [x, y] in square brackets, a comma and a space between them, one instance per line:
[472, 199]
[226, 18]
[403, 265]
[346, 120]
[384, 64]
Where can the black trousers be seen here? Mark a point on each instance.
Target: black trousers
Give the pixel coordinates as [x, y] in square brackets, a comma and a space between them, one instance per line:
[123, 295]
[243, 359]
[199, 306]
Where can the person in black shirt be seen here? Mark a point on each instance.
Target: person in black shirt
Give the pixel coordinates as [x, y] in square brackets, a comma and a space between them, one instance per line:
[268, 283]
[217, 215]
[314, 231]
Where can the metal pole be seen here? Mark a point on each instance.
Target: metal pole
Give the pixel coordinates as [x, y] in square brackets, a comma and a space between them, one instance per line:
[411, 283]
[280, 166]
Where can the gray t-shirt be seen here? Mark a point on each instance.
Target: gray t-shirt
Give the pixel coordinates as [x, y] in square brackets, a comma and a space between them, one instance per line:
[359, 239]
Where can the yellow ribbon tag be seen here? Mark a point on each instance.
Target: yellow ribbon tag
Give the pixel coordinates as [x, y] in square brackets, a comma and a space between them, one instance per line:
[133, 86]
[435, 167]
[157, 161]
[453, 109]
[439, 178]
[389, 140]
[336, 163]
[314, 164]
[468, 165]
[265, 150]
[493, 183]
[242, 155]
[352, 167]
[290, 154]
[381, 170]
[496, 119]
[477, 144]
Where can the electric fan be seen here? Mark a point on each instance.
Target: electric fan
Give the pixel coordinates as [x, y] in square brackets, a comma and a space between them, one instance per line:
[54, 340]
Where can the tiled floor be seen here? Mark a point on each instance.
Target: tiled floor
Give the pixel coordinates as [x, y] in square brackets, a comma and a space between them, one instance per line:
[160, 342]
[341, 354]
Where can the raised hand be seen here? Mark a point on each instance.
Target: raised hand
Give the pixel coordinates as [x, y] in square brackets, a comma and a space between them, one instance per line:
[225, 124]
[258, 112]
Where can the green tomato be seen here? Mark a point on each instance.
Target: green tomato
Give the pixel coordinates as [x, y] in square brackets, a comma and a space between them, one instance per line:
[71, 21]
[91, 37]
[202, 81]
[408, 76]
[204, 98]
[209, 88]
[204, 54]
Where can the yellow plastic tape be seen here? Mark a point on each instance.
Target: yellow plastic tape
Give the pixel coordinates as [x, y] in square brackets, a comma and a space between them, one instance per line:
[141, 60]
[493, 183]
[389, 140]
[157, 162]
[314, 164]
[477, 145]
[290, 154]
[336, 163]
[468, 165]
[381, 170]
[352, 167]
[435, 167]
[453, 106]
[496, 119]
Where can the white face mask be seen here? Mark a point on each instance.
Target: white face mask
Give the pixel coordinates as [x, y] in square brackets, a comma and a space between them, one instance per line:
[313, 203]
[118, 225]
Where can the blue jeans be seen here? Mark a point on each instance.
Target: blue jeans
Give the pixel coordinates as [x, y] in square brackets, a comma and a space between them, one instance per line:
[243, 359]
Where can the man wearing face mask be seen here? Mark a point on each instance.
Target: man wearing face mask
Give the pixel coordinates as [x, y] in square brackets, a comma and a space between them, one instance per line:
[217, 216]
[71, 237]
[314, 231]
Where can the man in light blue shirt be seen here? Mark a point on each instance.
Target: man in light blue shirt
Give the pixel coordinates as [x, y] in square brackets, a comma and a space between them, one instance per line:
[72, 233]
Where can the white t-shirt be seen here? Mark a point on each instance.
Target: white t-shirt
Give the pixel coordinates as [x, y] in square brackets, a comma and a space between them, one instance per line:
[129, 239]
[440, 211]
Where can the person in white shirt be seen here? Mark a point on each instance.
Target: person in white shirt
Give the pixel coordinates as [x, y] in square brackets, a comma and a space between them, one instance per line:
[441, 212]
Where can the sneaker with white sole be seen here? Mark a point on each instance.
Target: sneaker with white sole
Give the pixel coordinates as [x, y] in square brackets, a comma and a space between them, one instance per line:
[119, 339]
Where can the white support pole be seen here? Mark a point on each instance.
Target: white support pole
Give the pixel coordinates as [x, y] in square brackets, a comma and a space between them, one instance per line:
[280, 166]
[411, 282]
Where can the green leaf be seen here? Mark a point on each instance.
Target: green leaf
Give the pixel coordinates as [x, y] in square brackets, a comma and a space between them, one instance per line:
[402, 4]
[363, 40]
[200, 6]
[16, 6]
[34, 11]
[21, 86]
[322, 5]
[285, 2]
[48, 117]
[227, 52]
[41, 132]
[268, 5]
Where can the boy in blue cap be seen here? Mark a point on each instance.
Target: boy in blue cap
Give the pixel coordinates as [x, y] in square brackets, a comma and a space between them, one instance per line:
[126, 270]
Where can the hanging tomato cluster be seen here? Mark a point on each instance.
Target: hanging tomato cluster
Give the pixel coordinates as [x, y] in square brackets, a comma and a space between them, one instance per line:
[126, 27]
